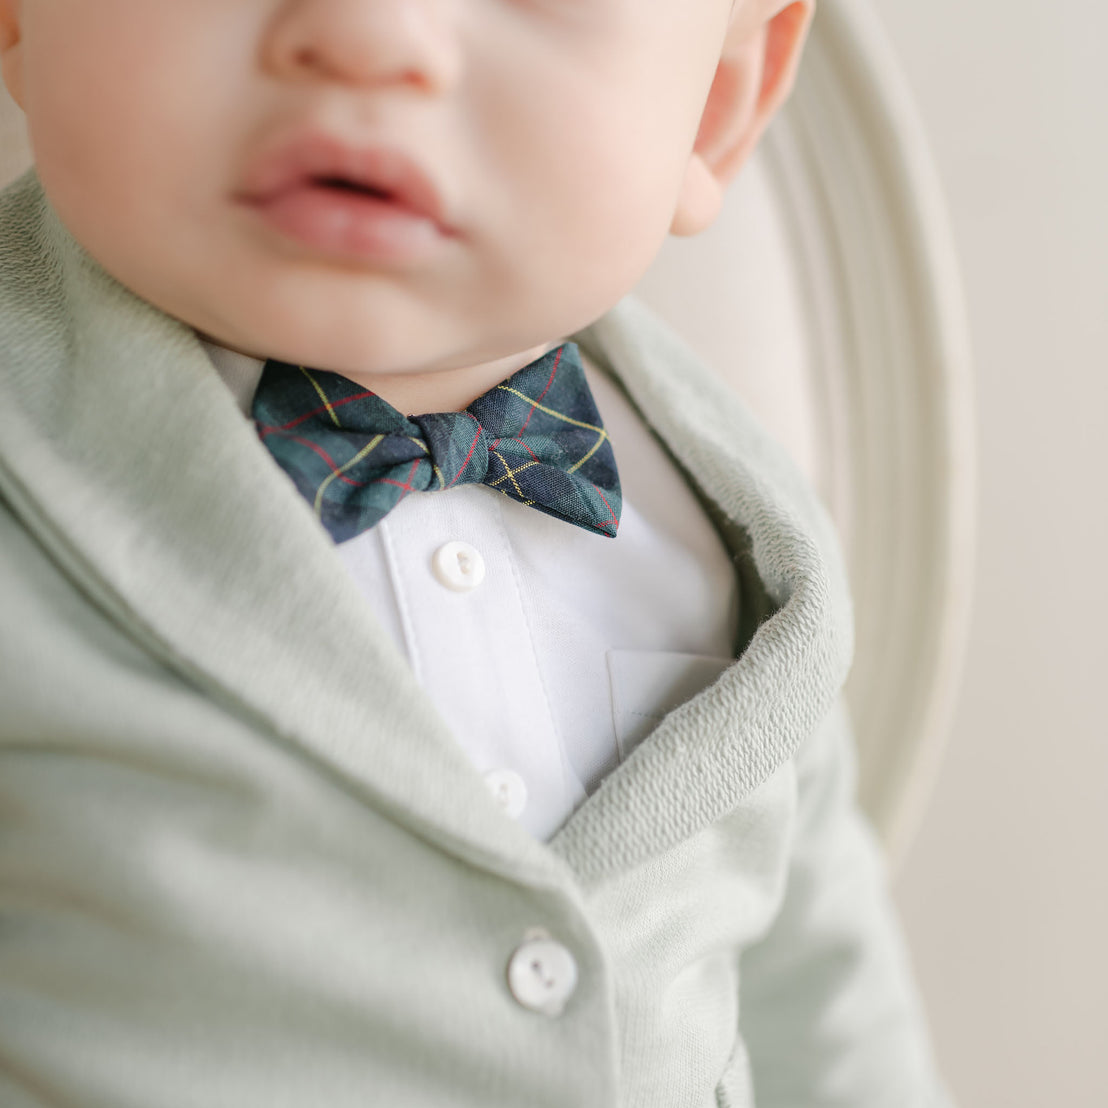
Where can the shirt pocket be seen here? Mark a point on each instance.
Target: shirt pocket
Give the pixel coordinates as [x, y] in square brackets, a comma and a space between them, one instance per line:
[648, 684]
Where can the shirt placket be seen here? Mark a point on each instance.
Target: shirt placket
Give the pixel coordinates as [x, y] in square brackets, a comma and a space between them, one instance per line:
[464, 625]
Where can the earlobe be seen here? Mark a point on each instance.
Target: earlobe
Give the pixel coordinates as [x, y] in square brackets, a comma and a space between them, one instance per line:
[700, 199]
[753, 79]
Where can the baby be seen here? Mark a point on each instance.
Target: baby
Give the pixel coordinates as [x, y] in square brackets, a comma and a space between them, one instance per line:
[461, 727]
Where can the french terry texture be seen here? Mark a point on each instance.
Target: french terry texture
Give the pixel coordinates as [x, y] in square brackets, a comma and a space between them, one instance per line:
[244, 863]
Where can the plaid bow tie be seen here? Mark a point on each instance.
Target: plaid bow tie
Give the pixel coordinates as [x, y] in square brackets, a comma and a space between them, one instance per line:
[537, 437]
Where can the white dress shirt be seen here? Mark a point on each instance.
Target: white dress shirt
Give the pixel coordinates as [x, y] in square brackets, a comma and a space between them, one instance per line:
[550, 650]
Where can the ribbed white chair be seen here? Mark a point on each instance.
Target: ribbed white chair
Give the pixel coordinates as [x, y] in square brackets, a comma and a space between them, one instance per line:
[828, 296]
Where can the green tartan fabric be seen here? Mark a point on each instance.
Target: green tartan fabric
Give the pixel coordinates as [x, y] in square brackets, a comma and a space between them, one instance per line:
[536, 437]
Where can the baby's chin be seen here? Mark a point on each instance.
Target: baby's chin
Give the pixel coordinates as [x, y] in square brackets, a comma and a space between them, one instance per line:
[349, 349]
[366, 324]
[365, 357]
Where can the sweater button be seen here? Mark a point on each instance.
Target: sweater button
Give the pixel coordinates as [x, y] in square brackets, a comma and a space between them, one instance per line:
[542, 974]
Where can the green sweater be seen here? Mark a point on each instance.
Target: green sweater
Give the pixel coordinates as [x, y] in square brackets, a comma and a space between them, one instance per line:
[243, 863]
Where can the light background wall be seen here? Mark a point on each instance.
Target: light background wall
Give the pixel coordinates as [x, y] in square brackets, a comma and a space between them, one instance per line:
[1005, 890]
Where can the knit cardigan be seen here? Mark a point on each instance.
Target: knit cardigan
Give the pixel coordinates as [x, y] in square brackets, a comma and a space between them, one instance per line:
[244, 863]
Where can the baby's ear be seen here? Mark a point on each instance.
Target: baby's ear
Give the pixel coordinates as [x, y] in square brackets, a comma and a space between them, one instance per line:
[755, 75]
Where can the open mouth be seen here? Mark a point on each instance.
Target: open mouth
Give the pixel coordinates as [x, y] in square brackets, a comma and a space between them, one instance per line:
[344, 185]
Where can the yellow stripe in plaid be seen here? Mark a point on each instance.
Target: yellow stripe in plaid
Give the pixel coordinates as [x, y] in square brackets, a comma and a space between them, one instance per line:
[595, 447]
[322, 396]
[559, 415]
[510, 475]
[372, 445]
[434, 466]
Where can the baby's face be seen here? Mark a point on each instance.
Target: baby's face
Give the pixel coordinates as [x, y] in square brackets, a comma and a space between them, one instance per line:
[368, 185]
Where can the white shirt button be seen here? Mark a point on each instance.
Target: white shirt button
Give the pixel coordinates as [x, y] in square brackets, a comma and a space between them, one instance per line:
[458, 566]
[509, 790]
[542, 975]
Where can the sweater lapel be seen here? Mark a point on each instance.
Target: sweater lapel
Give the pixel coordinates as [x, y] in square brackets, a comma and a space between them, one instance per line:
[126, 456]
[712, 751]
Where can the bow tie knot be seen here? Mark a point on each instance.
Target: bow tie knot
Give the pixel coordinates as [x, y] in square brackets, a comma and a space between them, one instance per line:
[537, 438]
[459, 446]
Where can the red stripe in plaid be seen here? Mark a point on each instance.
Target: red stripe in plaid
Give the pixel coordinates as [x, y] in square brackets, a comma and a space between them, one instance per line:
[332, 405]
[469, 457]
[316, 448]
[542, 395]
[407, 486]
[614, 521]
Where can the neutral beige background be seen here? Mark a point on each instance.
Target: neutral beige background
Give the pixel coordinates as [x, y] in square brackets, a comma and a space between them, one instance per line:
[1005, 891]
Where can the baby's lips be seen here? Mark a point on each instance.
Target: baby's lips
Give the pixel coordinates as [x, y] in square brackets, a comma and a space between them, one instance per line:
[315, 156]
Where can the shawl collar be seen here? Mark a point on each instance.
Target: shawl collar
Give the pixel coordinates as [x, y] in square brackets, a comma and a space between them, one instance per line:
[124, 453]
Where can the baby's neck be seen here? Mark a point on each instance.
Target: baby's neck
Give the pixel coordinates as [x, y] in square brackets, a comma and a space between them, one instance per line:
[447, 390]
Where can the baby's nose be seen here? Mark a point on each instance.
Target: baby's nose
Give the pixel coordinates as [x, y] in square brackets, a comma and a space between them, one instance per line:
[368, 43]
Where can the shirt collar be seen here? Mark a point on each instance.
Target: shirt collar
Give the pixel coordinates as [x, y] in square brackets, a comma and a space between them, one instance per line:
[239, 372]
